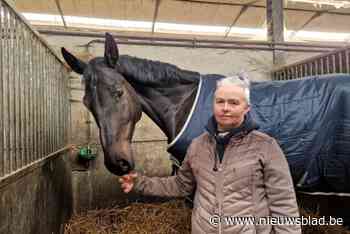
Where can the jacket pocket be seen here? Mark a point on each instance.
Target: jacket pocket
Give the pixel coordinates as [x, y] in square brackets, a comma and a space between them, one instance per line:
[240, 179]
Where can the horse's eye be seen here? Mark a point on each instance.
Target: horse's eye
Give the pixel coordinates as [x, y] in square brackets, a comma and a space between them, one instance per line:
[120, 92]
[117, 93]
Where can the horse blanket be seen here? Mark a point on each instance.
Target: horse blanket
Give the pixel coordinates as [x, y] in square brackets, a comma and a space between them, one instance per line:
[309, 118]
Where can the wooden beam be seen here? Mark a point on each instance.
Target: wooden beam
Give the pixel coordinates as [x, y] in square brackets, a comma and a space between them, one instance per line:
[262, 7]
[313, 17]
[275, 21]
[155, 15]
[58, 5]
[241, 12]
[275, 28]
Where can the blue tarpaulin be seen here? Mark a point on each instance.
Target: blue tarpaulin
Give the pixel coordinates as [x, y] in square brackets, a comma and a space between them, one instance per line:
[310, 118]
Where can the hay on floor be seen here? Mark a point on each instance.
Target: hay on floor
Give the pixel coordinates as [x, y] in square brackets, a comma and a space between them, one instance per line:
[172, 217]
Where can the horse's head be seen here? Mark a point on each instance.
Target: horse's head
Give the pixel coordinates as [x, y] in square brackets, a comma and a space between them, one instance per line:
[114, 105]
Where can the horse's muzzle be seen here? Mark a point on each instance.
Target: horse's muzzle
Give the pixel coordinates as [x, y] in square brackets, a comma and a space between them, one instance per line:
[120, 167]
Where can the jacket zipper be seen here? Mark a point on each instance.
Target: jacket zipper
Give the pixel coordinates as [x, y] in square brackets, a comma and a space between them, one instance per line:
[221, 167]
[221, 176]
[220, 198]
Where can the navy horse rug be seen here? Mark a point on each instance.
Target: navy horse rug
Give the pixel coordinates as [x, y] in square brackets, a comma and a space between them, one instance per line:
[310, 118]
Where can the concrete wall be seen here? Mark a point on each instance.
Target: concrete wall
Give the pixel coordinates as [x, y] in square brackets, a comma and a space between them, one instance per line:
[39, 202]
[94, 186]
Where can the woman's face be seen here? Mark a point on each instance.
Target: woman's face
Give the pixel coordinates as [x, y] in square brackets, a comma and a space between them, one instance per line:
[230, 106]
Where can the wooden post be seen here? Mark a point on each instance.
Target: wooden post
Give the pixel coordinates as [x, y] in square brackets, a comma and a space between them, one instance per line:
[275, 28]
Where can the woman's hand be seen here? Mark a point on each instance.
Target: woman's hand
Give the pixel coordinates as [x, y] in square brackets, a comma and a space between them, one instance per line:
[127, 181]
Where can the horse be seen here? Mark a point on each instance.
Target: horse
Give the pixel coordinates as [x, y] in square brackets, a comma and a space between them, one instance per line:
[114, 106]
[308, 117]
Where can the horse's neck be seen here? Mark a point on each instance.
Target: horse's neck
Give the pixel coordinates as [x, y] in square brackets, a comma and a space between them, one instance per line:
[168, 107]
[165, 91]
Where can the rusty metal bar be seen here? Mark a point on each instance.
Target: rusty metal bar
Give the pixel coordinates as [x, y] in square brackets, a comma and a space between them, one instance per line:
[327, 65]
[41, 101]
[17, 91]
[340, 57]
[32, 108]
[297, 71]
[195, 43]
[2, 80]
[29, 97]
[47, 77]
[347, 61]
[7, 93]
[21, 95]
[51, 86]
[59, 118]
[301, 70]
[36, 106]
[37, 102]
[334, 70]
[68, 112]
[321, 66]
[62, 125]
[54, 85]
[316, 71]
[55, 107]
[12, 109]
[120, 39]
[26, 94]
[49, 105]
[311, 69]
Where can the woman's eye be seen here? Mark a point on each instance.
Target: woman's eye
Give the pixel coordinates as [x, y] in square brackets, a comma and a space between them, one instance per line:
[233, 103]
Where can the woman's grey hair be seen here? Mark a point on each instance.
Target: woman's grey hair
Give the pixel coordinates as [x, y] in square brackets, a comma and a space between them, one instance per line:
[240, 80]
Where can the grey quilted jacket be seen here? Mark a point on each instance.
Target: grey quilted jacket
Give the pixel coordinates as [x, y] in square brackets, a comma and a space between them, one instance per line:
[252, 183]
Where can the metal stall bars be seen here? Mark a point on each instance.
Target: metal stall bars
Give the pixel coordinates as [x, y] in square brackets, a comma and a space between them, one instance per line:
[34, 96]
[337, 61]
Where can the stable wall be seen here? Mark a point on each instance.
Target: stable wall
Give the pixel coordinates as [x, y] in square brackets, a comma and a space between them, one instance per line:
[38, 201]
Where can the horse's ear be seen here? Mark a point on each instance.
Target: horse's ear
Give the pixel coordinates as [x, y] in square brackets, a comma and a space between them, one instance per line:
[77, 65]
[111, 51]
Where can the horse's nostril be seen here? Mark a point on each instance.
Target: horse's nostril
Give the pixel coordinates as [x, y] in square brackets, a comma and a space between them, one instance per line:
[124, 165]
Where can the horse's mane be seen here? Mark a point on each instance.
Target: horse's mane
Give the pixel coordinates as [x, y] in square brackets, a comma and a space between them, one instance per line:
[154, 72]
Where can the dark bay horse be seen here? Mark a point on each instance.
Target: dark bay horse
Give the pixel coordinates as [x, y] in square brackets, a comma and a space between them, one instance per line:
[115, 107]
[310, 118]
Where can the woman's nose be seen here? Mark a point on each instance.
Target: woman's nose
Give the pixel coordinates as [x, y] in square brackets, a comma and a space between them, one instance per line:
[225, 106]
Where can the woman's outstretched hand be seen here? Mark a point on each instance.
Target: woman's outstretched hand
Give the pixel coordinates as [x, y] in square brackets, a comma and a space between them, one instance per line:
[127, 181]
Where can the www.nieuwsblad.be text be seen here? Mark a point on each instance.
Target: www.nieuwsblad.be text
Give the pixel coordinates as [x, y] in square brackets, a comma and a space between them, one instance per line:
[215, 220]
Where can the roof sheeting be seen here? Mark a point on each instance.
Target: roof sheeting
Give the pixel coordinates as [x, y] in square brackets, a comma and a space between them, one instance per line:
[195, 12]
